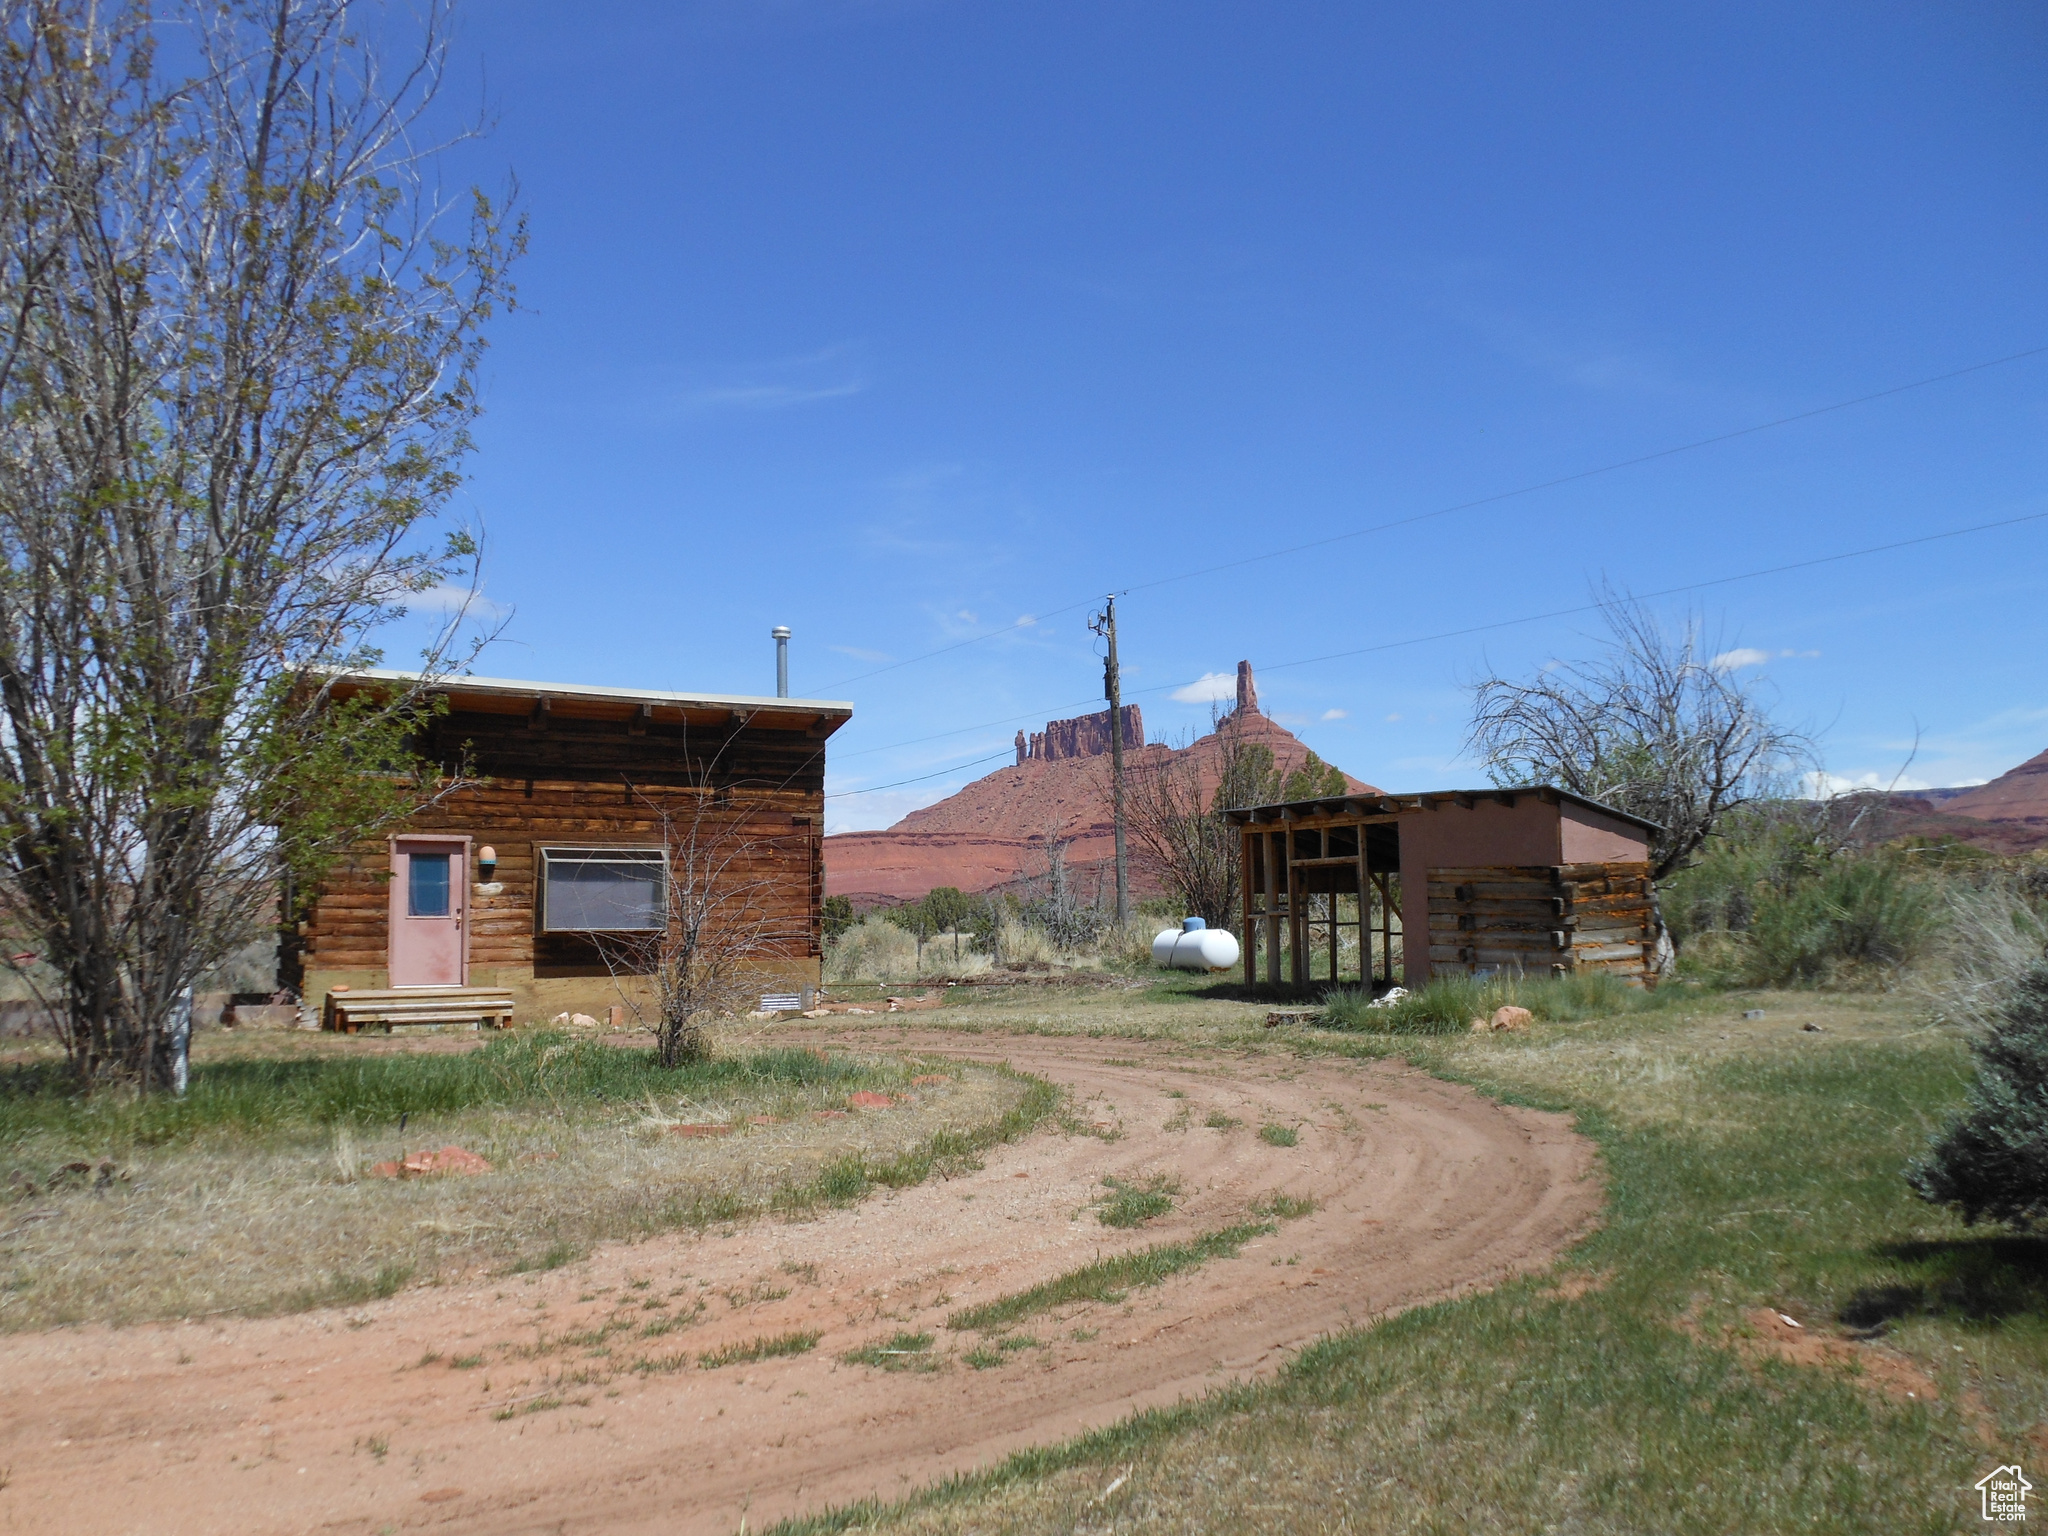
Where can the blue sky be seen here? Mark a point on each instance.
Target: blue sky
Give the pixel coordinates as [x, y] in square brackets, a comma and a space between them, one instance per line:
[900, 322]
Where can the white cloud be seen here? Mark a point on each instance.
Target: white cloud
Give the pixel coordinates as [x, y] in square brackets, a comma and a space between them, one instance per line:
[1336, 714]
[1209, 688]
[1393, 719]
[1823, 785]
[765, 397]
[860, 655]
[447, 598]
[1750, 656]
[1027, 621]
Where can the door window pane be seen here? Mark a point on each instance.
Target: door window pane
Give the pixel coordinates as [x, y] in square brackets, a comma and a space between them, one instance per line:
[603, 890]
[426, 884]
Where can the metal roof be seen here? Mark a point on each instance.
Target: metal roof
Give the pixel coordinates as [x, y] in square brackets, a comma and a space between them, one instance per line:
[1337, 805]
[516, 688]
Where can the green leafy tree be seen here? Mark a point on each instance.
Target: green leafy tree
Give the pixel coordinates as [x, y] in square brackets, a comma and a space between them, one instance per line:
[947, 909]
[1313, 780]
[838, 917]
[1992, 1164]
[238, 346]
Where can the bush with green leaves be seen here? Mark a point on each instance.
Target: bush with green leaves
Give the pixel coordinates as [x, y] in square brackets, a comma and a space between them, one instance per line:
[1992, 1164]
[1780, 900]
[873, 949]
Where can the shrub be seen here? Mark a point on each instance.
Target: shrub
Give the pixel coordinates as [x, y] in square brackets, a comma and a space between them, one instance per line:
[1992, 934]
[1869, 911]
[873, 949]
[1993, 1162]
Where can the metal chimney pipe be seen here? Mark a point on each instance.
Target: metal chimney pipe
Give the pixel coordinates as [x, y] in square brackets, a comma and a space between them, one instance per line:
[781, 661]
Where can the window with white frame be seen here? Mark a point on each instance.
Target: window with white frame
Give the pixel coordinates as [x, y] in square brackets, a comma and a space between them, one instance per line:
[603, 890]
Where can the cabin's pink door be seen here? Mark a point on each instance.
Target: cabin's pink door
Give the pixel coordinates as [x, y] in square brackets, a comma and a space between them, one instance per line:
[429, 922]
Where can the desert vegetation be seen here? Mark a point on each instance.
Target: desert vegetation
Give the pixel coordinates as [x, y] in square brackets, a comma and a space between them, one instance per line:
[259, 1189]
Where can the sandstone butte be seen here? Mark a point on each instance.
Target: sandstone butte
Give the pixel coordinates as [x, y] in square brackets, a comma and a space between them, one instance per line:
[2018, 796]
[2008, 816]
[991, 834]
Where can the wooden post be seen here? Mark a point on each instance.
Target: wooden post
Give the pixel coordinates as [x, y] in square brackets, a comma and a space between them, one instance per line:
[1297, 925]
[1364, 912]
[1332, 898]
[1387, 926]
[1251, 937]
[1272, 910]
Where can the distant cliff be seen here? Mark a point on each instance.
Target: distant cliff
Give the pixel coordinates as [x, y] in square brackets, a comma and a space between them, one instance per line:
[991, 833]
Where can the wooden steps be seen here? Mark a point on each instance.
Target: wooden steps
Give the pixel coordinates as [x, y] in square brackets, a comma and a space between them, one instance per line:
[435, 1007]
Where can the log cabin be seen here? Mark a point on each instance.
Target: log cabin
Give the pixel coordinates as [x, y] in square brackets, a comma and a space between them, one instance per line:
[519, 895]
[1533, 881]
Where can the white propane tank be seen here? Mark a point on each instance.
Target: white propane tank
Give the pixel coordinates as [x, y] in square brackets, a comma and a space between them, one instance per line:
[1194, 946]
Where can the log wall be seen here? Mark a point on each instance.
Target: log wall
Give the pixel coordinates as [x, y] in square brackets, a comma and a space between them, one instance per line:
[759, 795]
[1545, 919]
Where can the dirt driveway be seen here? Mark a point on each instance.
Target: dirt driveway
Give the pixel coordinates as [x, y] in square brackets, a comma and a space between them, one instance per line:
[564, 1402]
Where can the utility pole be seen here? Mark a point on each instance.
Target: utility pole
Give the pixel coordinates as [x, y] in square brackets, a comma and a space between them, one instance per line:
[1104, 624]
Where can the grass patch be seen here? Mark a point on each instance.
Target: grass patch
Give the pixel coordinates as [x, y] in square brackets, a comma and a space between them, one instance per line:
[768, 1347]
[1279, 1135]
[1447, 1005]
[1217, 1120]
[901, 1352]
[1283, 1207]
[1108, 1279]
[554, 1256]
[229, 1207]
[1132, 1205]
[259, 1096]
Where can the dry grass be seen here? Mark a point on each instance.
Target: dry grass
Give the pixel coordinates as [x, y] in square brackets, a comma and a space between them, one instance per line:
[238, 1220]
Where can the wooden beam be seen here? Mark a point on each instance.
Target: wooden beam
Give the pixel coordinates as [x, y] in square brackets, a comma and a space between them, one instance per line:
[1364, 913]
[1297, 925]
[1251, 938]
[542, 708]
[1272, 921]
[637, 726]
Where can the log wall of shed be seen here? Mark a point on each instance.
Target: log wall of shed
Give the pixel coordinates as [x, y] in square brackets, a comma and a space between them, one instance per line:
[587, 783]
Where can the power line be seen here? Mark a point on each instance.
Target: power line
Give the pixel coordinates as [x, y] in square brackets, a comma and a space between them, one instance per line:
[1469, 506]
[1690, 586]
[1451, 634]
[877, 788]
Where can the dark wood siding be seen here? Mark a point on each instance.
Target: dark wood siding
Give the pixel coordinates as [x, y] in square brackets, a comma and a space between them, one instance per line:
[600, 783]
[1543, 919]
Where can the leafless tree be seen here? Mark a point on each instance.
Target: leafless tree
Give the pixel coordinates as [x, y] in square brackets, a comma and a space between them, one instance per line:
[1657, 724]
[238, 341]
[1187, 839]
[727, 921]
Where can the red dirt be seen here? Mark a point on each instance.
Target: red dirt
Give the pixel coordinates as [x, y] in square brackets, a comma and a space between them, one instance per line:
[360, 1422]
[447, 1160]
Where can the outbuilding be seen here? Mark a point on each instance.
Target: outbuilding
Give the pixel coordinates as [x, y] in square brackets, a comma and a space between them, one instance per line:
[521, 893]
[1532, 881]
